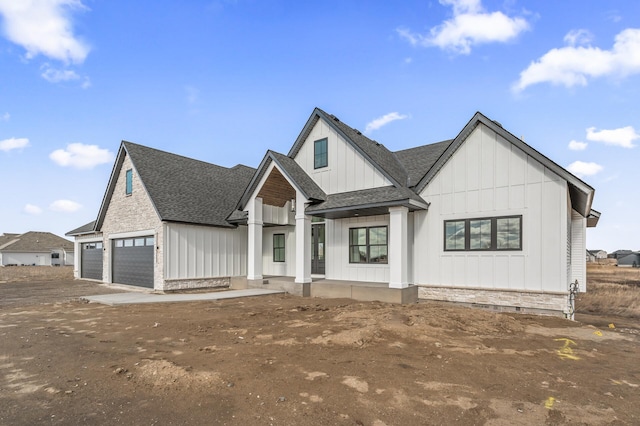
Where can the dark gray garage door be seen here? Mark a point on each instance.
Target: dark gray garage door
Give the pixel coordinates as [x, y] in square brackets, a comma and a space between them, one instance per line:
[91, 261]
[133, 261]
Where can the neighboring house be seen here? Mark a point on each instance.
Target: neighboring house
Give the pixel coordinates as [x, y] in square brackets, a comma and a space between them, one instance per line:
[596, 255]
[618, 254]
[482, 218]
[631, 260]
[35, 248]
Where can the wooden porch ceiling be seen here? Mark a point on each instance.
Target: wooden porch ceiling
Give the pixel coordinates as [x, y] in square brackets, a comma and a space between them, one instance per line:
[276, 190]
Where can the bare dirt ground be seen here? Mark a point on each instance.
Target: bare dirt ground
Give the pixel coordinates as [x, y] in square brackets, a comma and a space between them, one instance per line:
[285, 360]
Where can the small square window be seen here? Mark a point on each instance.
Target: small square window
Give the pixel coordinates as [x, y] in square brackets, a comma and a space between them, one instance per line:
[320, 154]
[129, 188]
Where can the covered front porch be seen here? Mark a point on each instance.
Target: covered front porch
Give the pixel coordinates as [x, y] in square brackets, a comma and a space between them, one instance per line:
[355, 244]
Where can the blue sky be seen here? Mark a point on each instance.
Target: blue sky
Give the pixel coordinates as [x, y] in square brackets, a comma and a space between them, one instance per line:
[223, 81]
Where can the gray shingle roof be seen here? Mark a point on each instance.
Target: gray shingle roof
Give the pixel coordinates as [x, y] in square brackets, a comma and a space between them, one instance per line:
[385, 195]
[417, 161]
[183, 189]
[84, 229]
[35, 242]
[293, 170]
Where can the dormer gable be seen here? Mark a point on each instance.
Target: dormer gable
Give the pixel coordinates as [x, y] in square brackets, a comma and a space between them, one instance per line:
[340, 158]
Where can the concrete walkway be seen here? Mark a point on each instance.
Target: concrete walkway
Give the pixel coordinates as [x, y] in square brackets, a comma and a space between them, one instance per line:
[136, 298]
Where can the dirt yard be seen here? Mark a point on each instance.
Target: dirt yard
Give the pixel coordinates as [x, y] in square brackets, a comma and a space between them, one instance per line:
[284, 360]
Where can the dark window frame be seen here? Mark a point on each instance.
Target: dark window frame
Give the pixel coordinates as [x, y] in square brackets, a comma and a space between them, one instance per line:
[279, 250]
[494, 234]
[320, 159]
[128, 182]
[368, 245]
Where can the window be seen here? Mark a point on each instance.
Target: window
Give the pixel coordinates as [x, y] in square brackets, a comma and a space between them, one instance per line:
[320, 156]
[493, 233]
[509, 233]
[150, 241]
[55, 255]
[129, 188]
[368, 245]
[278, 247]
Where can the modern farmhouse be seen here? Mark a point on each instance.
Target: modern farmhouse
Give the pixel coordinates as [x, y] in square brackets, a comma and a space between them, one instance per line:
[482, 219]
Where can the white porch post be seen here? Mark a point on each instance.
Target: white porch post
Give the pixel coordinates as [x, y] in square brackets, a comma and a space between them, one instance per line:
[254, 223]
[398, 248]
[303, 241]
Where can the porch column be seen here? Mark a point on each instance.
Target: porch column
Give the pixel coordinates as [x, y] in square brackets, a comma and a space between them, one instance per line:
[398, 248]
[303, 241]
[254, 224]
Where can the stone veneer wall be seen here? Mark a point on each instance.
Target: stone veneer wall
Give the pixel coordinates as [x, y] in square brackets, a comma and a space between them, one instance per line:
[194, 283]
[131, 213]
[504, 300]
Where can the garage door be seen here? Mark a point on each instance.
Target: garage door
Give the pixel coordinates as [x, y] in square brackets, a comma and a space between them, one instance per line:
[91, 261]
[133, 261]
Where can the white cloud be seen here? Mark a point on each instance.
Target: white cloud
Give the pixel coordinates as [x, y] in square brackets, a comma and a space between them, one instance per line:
[471, 25]
[581, 169]
[13, 143]
[623, 136]
[44, 28]
[81, 156]
[384, 120]
[32, 209]
[66, 206]
[53, 75]
[578, 37]
[5, 117]
[577, 146]
[575, 65]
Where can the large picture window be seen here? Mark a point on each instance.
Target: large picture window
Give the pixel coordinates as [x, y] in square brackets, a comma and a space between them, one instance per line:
[492, 233]
[320, 154]
[278, 248]
[368, 245]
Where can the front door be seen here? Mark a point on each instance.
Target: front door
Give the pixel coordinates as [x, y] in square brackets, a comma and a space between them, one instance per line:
[317, 249]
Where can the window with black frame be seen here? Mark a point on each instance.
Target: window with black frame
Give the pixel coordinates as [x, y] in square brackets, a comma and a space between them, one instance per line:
[368, 245]
[491, 233]
[278, 248]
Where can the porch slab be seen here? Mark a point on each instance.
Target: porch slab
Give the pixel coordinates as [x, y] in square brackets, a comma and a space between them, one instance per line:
[364, 291]
[333, 289]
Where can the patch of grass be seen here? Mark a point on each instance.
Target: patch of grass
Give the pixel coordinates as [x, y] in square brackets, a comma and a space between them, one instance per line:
[611, 291]
[35, 273]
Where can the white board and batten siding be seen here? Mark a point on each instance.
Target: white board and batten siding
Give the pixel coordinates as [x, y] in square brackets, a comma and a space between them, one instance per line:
[286, 268]
[193, 252]
[337, 256]
[489, 177]
[347, 170]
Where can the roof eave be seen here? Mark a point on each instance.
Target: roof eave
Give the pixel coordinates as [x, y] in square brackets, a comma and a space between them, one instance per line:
[369, 209]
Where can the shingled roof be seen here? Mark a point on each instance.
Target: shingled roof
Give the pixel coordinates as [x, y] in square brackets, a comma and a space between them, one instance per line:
[87, 228]
[183, 189]
[34, 242]
[369, 201]
[419, 160]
